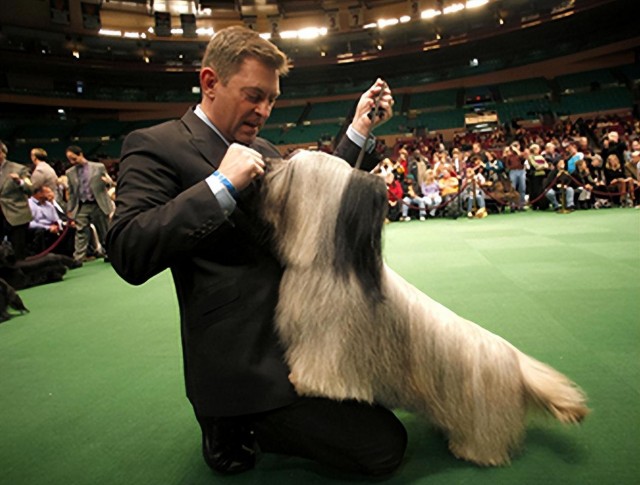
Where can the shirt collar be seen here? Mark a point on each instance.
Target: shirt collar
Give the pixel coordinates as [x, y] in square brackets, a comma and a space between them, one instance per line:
[200, 114]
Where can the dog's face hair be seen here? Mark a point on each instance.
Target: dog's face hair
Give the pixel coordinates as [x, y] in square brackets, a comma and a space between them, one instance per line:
[320, 208]
[358, 235]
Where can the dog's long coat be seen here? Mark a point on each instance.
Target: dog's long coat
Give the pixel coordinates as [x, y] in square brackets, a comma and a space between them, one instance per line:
[353, 329]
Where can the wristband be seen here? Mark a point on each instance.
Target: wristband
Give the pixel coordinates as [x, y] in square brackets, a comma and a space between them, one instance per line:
[228, 185]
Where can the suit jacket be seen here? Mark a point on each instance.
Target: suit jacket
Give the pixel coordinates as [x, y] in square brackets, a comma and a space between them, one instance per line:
[44, 174]
[96, 184]
[224, 271]
[14, 198]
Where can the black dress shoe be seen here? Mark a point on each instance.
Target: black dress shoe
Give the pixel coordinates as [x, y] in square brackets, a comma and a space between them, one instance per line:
[228, 445]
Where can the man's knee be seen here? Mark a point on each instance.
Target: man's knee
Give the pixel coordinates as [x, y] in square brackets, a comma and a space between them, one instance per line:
[386, 452]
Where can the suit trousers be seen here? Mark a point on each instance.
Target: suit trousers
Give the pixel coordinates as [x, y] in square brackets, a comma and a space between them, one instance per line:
[347, 436]
[89, 213]
[17, 236]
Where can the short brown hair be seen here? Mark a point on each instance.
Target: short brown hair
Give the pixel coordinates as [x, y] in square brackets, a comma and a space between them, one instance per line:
[40, 154]
[229, 47]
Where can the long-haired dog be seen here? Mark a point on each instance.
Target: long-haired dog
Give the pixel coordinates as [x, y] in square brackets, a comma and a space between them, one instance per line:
[354, 329]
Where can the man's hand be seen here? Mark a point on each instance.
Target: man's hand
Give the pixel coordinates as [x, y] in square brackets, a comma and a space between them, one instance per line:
[362, 123]
[241, 165]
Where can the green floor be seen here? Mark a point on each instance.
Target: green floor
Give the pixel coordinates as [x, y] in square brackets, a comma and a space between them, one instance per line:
[91, 387]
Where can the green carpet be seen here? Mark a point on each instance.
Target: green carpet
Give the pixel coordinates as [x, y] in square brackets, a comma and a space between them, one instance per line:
[91, 387]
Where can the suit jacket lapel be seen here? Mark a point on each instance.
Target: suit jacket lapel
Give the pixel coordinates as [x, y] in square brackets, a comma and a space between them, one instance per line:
[206, 141]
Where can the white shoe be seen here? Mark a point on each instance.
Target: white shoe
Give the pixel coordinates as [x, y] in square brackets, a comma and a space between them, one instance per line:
[423, 218]
[470, 215]
[406, 218]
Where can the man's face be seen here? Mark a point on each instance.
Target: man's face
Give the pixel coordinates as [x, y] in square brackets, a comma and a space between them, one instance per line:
[73, 158]
[241, 107]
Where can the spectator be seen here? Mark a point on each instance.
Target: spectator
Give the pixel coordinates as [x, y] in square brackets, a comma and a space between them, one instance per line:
[472, 194]
[15, 189]
[561, 185]
[539, 170]
[514, 162]
[586, 183]
[621, 183]
[43, 173]
[46, 225]
[395, 194]
[89, 201]
[412, 200]
[431, 192]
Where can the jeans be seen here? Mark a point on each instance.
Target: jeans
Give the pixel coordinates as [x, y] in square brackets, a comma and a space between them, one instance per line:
[551, 195]
[408, 203]
[519, 181]
[431, 202]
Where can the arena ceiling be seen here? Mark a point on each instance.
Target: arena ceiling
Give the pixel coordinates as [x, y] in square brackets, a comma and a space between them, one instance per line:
[337, 41]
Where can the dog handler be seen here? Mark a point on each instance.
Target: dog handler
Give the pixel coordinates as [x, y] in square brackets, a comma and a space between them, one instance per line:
[187, 196]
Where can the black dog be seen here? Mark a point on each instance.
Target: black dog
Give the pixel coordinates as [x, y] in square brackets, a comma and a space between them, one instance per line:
[9, 298]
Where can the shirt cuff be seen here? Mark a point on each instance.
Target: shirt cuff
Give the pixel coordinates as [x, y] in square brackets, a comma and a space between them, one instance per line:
[360, 139]
[222, 194]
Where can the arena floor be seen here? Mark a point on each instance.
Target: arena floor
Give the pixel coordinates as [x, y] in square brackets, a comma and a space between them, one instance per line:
[91, 379]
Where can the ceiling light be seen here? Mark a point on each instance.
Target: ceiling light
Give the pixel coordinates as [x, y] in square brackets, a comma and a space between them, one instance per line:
[382, 23]
[110, 32]
[476, 3]
[454, 7]
[430, 13]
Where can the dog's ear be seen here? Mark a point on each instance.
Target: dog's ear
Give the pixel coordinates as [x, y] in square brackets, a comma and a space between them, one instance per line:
[358, 236]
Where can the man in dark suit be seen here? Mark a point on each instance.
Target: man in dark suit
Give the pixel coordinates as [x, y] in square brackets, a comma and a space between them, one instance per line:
[89, 202]
[187, 195]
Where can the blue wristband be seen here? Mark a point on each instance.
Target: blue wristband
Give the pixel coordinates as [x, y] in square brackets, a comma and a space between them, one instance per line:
[225, 181]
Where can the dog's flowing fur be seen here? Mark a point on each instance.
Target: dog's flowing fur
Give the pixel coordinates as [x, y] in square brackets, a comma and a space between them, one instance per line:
[353, 329]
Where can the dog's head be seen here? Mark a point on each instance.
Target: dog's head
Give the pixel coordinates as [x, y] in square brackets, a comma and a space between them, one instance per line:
[322, 211]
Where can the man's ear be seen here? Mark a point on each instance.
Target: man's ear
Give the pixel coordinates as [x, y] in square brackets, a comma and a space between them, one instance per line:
[208, 81]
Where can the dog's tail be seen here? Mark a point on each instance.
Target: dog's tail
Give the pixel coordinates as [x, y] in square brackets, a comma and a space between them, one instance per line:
[551, 391]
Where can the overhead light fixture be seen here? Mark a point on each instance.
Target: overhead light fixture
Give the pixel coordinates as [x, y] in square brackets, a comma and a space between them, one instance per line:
[430, 13]
[455, 7]
[404, 19]
[476, 3]
[110, 32]
[382, 23]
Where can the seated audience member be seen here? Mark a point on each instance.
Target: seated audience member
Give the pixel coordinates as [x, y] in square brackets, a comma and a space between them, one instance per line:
[586, 184]
[431, 192]
[395, 194]
[412, 200]
[562, 186]
[448, 184]
[618, 179]
[493, 168]
[46, 225]
[503, 192]
[473, 195]
[601, 191]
